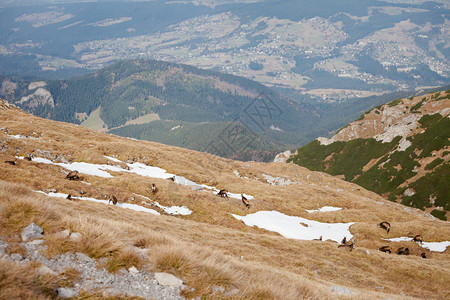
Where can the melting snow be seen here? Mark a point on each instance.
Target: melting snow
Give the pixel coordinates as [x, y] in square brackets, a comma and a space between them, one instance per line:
[172, 210]
[123, 205]
[325, 208]
[136, 168]
[291, 227]
[176, 127]
[432, 246]
[112, 158]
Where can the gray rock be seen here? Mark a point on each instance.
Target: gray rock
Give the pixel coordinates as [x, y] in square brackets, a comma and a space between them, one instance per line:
[46, 270]
[66, 293]
[36, 242]
[62, 234]
[75, 236]
[31, 232]
[217, 288]
[339, 290]
[133, 270]
[232, 293]
[168, 279]
[16, 256]
[84, 258]
[102, 260]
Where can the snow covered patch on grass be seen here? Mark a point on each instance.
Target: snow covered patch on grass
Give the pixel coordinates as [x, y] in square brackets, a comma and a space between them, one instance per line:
[432, 246]
[122, 205]
[171, 210]
[176, 127]
[296, 227]
[325, 208]
[112, 159]
[136, 168]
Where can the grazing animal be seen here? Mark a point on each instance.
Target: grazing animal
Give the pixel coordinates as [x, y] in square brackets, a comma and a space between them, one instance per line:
[223, 193]
[11, 162]
[172, 178]
[154, 189]
[69, 197]
[29, 157]
[349, 246]
[112, 199]
[386, 249]
[245, 201]
[402, 250]
[344, 240]
[385, 225]
[418, 239]
[73, 175]
[319, 239]
[423, 255]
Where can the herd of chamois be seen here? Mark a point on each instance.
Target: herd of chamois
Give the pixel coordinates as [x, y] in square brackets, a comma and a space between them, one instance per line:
[74, 175]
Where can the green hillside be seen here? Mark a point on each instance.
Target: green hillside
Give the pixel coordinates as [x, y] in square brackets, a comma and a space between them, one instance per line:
[413, 169]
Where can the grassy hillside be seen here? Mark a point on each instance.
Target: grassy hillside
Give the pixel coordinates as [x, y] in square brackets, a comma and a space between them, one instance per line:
[209, 247]
[413, 169]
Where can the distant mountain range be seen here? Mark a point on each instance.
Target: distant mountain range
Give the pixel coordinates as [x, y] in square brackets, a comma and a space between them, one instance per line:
[400, 150]
[322, 51]
[184, 106]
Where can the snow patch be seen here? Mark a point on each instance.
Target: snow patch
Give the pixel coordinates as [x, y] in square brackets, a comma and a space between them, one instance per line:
[324, 209]
[176, 127]
[122, 205]
[291, 227]
[171, 210]
[112, 159]
[432, 246]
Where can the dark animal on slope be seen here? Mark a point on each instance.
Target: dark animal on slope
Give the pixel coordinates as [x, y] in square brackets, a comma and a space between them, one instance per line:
[245, 201]
[418, 239]
[349, 246]
[172, 178]
[11, 162]
[28, 158]
[319, 239]
[154, 189]
[73, 175]
[223, 193]
[69, 197]
[344, 240]
[402, 250]
[423, 255]
[386, 249]
[112, 199]
[385, 225]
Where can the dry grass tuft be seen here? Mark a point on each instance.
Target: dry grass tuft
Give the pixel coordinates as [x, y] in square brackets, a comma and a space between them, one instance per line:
[123, 260]
[68, 277]
[21, 282]
[172, 259]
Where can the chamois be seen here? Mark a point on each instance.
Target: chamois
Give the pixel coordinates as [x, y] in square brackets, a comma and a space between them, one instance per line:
[349, 246]
[386, 249]
[154, 189]
[385, 225]
[112, 199]
[418, 239]
[73, 175]
[172, 178]
[319, 239]
[402, 250]
[29, 157]
[245, 201]
[223, 193]
[69, 197]
[344, 240]
[11, 162]
[423, 255]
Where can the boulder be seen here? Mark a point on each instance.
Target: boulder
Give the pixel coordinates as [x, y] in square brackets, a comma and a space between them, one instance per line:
[67, 293]
[342, 291]
[75, 236]
[62, 234]
[168, 279]
[32, 232]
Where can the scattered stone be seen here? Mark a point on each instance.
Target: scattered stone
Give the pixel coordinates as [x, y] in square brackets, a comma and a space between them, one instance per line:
[75, 236]
[168, 279]
[380, 287]
[231, 293]
[46, 270]
[217, 288]
[67, 293]
[17, 257]
[339, 290]
[133, 270]
[36, 242]
[81, 257]
[62, 234]
[31, 232]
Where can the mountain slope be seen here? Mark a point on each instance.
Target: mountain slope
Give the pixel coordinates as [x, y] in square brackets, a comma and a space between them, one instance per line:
[400, 150]
[208, 248]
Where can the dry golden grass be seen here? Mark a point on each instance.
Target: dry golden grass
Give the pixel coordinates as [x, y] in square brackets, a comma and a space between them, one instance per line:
[204, 248]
